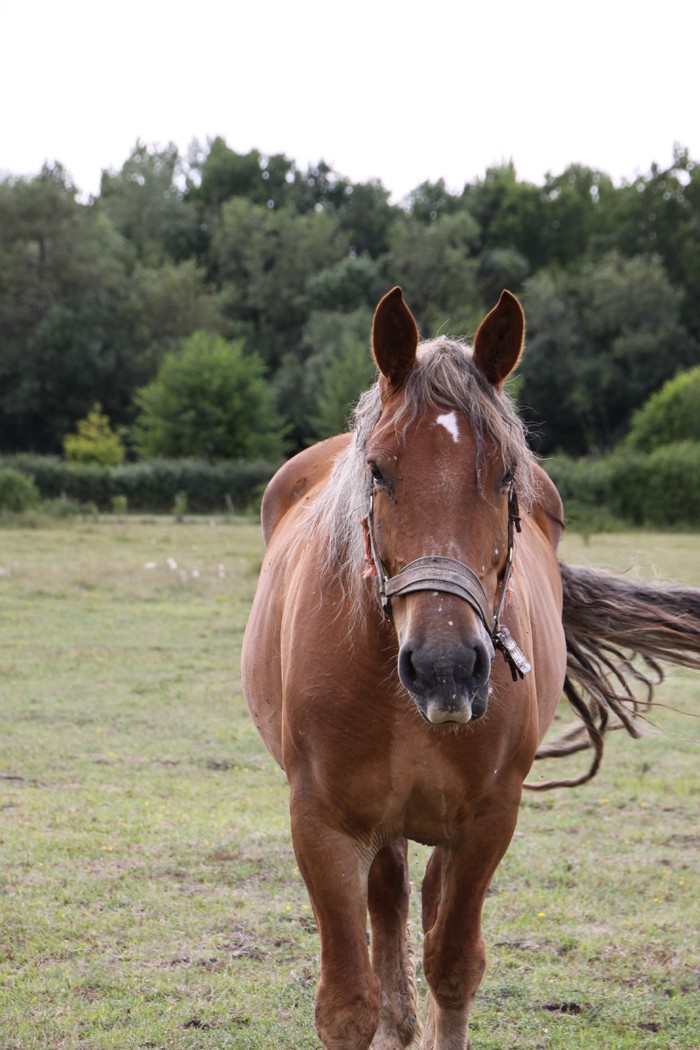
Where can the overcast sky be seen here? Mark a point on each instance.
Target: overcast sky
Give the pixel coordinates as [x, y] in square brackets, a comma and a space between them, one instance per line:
[398, 91]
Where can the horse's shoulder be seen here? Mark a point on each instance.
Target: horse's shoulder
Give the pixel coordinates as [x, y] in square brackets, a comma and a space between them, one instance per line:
[296, 478]
[548, 509]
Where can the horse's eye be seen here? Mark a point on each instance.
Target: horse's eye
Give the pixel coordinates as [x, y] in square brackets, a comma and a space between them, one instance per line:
[375, 472]
[508, 477]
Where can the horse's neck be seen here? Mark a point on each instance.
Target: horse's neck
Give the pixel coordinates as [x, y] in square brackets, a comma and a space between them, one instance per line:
[548, 509]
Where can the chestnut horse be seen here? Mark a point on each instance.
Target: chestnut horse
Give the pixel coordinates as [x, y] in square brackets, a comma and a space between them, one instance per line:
[404, 657]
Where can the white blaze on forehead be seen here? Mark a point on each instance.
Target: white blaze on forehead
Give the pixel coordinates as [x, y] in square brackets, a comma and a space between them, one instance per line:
[449, 421]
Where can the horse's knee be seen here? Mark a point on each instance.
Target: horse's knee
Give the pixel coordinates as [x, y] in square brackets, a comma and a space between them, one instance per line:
[347, 1013]
[453, 976]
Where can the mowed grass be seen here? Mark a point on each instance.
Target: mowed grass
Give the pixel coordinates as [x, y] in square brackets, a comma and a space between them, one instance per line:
[149, 894]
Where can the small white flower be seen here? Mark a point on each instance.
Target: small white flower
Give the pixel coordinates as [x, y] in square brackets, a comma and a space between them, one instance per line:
[172, 564]
[150, 565]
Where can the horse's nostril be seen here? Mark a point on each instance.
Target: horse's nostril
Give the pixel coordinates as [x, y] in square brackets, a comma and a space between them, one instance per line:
[407, 671]
[482, 663]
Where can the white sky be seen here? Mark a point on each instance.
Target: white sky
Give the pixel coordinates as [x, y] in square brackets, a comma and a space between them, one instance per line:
[398, 91]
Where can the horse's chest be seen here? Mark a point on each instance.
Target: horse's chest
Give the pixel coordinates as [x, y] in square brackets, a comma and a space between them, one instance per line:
[424, 797]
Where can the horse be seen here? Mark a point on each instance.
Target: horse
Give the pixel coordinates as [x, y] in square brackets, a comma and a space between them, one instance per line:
[409, 642]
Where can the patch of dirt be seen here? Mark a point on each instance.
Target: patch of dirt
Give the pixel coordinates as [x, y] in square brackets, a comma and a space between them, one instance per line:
[195, 1022]
[571, 1008]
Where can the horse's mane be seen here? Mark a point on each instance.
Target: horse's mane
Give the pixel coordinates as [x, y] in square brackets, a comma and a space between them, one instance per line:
[444, 376]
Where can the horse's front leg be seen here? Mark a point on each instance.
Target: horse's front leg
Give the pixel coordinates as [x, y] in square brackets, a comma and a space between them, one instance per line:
[454, 957]
[389, 892]
[335, 868]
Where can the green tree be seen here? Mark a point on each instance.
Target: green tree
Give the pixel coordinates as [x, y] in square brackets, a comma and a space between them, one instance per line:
[340, 382]
[338, 369]
[352, 282]
[430, 200]
[263, 259]
[145, 204]
[94, 441]
[510, 214]
[435, 264]
[63, 285]
[599, 342]
[165, 304]
[220, 174]
[315, 391]
[365, 214]
[319, 188]
[81, 320]
[660, 212]
[501, 268]
[671, 414]
[573, 213]
[211, 401]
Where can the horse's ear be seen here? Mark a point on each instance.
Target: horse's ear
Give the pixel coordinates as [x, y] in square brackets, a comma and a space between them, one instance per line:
[394, 338]
[498, 342]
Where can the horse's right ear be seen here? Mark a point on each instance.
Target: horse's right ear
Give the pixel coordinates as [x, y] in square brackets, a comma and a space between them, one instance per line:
[394, 338]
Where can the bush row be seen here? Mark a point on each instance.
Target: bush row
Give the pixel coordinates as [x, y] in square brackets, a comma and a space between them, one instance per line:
[151, 486]
[659, 489]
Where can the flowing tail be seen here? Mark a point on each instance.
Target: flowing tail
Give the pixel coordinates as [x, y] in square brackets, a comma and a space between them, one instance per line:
[619, 634]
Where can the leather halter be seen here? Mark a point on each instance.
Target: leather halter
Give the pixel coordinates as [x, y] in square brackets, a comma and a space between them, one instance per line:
[450, 576]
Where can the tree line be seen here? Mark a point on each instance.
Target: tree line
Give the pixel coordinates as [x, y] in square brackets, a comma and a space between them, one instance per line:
[184, 271]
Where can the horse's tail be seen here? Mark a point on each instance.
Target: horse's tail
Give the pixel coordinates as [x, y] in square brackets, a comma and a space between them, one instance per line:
[619, 633]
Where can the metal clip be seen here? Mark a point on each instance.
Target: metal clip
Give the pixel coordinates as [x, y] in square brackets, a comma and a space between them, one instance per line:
[512, 653]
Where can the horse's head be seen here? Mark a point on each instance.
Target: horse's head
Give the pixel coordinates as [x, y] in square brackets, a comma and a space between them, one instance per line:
[442, 460]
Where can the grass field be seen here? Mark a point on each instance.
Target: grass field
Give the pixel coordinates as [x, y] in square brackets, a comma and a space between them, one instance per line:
[150, 896]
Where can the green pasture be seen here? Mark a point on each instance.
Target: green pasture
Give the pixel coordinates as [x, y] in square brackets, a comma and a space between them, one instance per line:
[149, 896]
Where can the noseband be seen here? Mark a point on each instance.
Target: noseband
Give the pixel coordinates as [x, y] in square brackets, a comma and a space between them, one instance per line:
[451, 576]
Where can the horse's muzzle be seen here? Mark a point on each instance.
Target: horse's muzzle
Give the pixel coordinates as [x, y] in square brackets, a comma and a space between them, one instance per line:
[450, 685]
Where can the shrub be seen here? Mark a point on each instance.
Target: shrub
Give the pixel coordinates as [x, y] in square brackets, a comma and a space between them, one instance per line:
[18, 493]
[94, 442]
[670, 415]
[659, 489]
[180, 505]
[671, 481]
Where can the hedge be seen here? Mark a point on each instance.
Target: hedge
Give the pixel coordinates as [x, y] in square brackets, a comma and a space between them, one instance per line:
[659, 489]
[149, 486]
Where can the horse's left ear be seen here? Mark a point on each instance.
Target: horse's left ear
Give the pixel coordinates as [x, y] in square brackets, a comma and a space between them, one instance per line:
[498, 342]
[394, 338]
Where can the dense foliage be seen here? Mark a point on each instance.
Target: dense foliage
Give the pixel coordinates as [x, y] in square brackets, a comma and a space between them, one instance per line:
[208, 400]
[286, 265]
[671, 414]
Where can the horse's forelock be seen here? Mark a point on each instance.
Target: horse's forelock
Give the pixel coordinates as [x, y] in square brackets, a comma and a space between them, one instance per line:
[444, 376]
